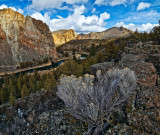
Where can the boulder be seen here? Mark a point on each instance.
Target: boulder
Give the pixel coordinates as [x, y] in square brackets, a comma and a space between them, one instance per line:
[101, 66]
[146, 72]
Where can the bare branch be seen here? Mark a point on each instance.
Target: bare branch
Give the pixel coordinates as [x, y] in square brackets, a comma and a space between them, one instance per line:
[95, 101]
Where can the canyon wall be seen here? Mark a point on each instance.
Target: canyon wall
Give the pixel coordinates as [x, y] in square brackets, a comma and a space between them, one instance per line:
[24, 39]
[63, 36]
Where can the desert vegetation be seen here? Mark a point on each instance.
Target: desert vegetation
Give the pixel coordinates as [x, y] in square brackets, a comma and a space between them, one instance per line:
[97, 100]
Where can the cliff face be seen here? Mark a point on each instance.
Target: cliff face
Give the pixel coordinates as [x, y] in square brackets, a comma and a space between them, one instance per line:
[23, 39]
[110, 33]
[62, 36]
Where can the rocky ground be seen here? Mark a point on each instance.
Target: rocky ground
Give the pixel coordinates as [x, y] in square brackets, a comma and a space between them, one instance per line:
[143, 108]
[44, 114]
[39, 114]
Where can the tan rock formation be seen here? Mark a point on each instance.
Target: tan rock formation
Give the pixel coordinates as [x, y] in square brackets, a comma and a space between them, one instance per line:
[24, 39]
[62, 36]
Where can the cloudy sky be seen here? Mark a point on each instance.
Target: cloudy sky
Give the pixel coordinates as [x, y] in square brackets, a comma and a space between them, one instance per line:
[90, 15]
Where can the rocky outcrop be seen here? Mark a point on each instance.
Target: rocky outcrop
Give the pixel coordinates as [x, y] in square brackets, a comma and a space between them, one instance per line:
[101, 66]
[146, 72]
[40, 113]
[62, 36]
[110, 33]
[23, 39]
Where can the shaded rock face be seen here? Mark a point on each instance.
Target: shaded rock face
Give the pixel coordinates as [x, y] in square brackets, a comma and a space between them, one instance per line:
[110, 33]
[63, 36]
[5, 50]
[24, 39]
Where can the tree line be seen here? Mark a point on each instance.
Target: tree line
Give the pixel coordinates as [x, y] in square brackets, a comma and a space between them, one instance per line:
[14, 87]
[27, 64]
[153, 35]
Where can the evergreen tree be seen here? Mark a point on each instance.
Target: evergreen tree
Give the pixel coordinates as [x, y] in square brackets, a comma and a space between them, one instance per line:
[19, 85]
[24, 91]
[50, 82]
[99, 57]
[26, 80]
[12, 96]
[6, 80]
[66, 54]
[93, 50]
[36, 75]
[32, 84]
[74, 58]
[4, 94]
[13, 87]
[73, 53]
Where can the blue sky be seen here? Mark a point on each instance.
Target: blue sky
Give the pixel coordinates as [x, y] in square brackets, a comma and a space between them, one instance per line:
[90, 15]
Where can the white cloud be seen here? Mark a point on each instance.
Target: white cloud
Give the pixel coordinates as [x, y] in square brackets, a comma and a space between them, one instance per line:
[20, 11]
[143, 17]
[3, 6]
[93, 10]
[104, 16]
[46, 18]
[57, 4]
[141, 28]
[112, 2]
[76, 21]
[143, 5]
[13, 8]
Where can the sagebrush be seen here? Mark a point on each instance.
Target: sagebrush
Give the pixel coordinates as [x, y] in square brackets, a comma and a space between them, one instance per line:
[94, 99]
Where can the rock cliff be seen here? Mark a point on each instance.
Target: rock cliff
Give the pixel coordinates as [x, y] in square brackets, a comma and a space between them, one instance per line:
[62, 36]
[23, 39]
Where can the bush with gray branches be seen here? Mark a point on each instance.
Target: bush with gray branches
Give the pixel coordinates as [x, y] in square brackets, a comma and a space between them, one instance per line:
[95, 100]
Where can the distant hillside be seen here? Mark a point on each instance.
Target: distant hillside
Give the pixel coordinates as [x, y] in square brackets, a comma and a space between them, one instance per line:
[63, 36]
[110, 33]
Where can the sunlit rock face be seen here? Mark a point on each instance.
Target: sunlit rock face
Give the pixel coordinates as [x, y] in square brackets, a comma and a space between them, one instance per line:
[63, 36]
[23, 39]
